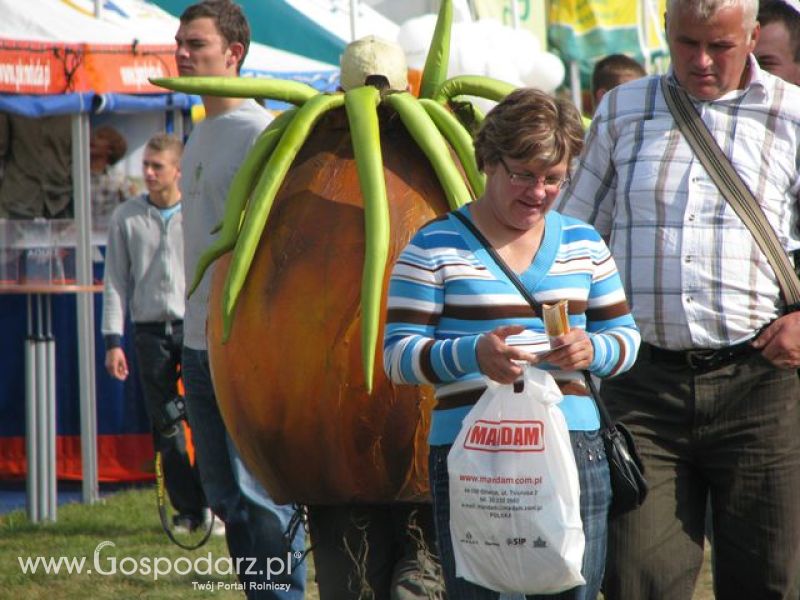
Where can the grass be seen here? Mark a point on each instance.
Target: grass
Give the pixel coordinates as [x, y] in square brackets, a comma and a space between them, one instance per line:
[129, 520]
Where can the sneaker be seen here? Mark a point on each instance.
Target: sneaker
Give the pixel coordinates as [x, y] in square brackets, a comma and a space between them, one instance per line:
[184, 524]
[218, 528]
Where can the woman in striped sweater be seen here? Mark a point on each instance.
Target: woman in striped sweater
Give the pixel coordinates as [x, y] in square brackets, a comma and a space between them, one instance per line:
[454, 318]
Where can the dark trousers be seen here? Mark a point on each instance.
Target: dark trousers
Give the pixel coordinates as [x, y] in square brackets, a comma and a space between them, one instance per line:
[731, 436]
[383, 552]
[158, 355]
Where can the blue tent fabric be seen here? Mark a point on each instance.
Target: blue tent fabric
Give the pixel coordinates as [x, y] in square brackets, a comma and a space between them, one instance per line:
[130, 103]
[39, 106]
[324, 81]
[89, 102]
[120, 409]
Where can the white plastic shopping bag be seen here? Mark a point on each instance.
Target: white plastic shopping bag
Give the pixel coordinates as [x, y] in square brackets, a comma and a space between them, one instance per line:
[514, 494]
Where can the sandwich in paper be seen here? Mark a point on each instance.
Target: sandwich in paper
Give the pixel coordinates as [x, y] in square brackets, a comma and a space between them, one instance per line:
[556, 319]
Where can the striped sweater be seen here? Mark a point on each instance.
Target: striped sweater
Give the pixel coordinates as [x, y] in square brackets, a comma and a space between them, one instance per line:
[445, 291]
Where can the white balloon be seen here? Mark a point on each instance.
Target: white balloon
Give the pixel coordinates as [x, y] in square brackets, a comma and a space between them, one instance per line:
[472, 61]
[547, 74]
[506, 72]
[414, 37]
[457, 51]
[524, 40]
[485, 47]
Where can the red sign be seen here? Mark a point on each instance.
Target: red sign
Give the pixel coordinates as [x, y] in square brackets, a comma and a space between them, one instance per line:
[47, 68]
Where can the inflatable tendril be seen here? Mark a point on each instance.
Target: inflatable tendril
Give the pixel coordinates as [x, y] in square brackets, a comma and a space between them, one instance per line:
[437, 121]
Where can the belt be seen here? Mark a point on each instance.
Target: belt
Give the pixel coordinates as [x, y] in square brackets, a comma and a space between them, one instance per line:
[159, 326]
[699, 359]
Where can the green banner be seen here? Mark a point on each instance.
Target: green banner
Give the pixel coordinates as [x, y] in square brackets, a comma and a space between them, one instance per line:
[588, 30]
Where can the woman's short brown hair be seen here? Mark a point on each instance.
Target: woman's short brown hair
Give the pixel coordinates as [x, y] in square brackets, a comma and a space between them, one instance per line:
[529, 124]
[117, 146]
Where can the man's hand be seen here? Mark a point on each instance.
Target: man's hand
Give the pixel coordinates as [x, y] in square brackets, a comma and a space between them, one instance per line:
[496, 358]
[116, 364]
[780, 342]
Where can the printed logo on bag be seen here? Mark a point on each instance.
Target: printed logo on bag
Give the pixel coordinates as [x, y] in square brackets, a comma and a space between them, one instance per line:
[505, 436]
[468, 539]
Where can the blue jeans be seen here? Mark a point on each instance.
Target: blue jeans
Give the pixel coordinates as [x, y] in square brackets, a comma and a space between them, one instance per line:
[595, 501]
[254, 524]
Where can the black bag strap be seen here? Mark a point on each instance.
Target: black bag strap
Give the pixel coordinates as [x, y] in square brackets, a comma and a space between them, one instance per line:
[605, 417]
[733, 188]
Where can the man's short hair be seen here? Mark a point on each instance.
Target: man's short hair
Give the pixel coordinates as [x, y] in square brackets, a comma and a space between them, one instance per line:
[609, 71]
[161, 142]
[778, 11]
[228, 18]
[706, 8]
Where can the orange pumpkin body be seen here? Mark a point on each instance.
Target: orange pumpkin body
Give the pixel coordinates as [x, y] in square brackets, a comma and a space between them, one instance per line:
[289, 380]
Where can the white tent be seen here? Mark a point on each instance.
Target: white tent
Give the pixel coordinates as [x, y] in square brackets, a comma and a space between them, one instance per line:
[63, 57]
[53, 46]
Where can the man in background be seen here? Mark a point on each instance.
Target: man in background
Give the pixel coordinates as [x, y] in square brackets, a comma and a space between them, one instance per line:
[611, 71]
[778, 47]
[144, 274]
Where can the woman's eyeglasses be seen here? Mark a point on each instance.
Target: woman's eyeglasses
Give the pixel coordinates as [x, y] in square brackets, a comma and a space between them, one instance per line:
[551, 183]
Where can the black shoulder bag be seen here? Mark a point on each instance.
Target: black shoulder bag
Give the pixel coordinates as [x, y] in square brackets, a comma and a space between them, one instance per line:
[628, 485]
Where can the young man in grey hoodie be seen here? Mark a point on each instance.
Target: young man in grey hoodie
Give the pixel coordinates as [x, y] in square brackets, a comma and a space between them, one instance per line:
[144, 274]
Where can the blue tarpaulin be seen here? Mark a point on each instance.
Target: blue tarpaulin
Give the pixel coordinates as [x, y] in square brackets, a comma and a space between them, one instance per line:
[69, 104]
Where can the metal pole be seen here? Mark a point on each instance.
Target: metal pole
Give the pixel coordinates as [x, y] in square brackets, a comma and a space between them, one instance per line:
[31, 438]
[50, 409]
[177, 123]
[353, 19]
[575, 84]
[514, 14]
[41, 414]
[85, 306]
[643, 25]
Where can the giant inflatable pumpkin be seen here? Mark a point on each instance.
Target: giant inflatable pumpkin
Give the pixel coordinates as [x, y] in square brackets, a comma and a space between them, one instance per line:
[289, 377]
[322, 206]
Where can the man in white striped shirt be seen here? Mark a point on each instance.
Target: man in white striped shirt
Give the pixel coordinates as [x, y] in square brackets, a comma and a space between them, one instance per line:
[716, 412]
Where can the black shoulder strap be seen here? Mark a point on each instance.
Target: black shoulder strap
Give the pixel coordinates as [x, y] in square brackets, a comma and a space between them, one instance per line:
[512, 276]
[499, 260]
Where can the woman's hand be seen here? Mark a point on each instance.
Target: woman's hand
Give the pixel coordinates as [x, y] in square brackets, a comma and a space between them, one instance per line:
[572, 351]
[497, 360]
